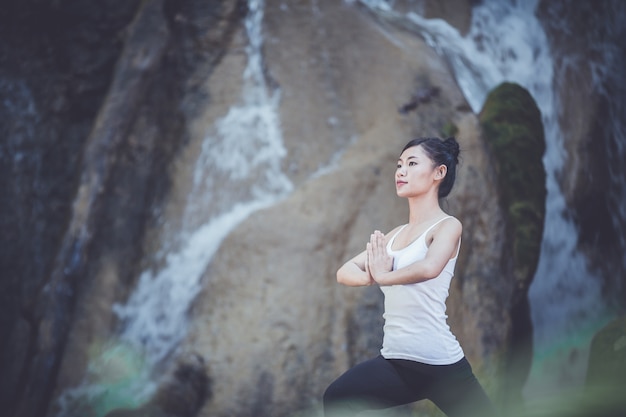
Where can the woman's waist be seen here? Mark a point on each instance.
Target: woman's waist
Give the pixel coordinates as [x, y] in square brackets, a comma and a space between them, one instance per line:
[416, 325]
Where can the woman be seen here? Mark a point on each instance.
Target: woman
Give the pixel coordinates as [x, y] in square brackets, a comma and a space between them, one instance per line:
[413, 265]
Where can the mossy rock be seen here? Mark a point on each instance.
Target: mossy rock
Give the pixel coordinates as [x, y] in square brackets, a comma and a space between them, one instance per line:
[513, 130]
[606, 372]
[607, 358]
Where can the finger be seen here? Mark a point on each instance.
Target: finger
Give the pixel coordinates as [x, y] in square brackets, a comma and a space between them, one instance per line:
[380, 241]
[382, 250]
[375, 248]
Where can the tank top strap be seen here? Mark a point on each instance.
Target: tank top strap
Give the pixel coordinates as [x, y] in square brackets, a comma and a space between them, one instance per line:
[433, 225]
[458, 248]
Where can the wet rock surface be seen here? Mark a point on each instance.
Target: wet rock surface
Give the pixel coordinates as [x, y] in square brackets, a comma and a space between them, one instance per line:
[592, 185]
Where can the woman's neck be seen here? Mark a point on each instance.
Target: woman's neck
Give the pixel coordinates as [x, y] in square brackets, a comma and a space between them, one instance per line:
[423, 209]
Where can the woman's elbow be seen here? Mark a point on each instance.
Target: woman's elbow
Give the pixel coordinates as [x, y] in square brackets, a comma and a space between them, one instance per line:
[341, 276]
[431, 271]
[346, 276]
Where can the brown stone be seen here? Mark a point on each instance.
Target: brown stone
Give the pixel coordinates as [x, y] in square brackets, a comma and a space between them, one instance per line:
[275, 326]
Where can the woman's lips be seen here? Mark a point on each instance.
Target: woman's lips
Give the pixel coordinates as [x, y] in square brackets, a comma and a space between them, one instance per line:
[400, 183]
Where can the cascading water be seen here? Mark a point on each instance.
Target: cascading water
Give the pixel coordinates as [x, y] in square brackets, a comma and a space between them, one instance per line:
[244, 149]
[506, 42]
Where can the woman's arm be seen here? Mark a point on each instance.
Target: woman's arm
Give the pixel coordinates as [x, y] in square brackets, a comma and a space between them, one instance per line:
[354, 273]
[445, 241]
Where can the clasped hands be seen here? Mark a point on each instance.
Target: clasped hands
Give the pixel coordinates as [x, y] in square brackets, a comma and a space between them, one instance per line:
[378, 261]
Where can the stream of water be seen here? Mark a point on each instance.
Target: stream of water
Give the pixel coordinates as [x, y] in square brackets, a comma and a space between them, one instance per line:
[243, 150]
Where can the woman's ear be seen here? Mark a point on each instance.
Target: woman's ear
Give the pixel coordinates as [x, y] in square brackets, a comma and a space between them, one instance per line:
[441, 172]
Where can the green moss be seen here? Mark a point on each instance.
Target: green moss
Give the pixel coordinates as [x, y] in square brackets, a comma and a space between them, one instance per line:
[512, 127]
[528, 220]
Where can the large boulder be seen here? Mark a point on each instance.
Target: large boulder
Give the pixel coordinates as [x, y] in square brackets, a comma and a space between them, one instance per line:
[273, 323]
[513, 131]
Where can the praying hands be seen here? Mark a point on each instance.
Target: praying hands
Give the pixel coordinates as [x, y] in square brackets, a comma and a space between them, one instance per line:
[378, 260]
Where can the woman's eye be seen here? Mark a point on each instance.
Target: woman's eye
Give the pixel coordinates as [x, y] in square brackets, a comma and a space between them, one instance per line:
[398, 166]
[412, 163]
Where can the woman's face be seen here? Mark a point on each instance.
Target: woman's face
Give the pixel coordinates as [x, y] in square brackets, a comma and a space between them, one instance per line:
[416, 173]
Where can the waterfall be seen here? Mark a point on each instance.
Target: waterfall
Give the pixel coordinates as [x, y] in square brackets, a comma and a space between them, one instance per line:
[242, 153]
[506, 42]
[237, 172]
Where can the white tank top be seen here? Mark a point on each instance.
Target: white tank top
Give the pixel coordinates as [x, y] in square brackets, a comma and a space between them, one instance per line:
[415, 316]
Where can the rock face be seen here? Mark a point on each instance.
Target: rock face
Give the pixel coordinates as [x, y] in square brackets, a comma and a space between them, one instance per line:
[68, 71]
[271, 322]
[58, 78]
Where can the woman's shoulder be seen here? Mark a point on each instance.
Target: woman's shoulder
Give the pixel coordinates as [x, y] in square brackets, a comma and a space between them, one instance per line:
[450, 224]
[453, 220]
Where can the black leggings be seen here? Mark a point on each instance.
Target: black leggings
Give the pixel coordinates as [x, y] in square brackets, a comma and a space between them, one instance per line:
[383, 383]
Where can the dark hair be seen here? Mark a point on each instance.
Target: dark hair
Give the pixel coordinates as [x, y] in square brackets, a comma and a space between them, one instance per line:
[442, 152]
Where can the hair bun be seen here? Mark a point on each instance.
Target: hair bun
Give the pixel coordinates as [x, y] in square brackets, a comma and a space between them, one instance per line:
[453, 146]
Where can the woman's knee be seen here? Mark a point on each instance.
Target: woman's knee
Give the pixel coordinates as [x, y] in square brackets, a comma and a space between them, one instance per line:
[332, 401]
[333, 394]
[339, 401]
